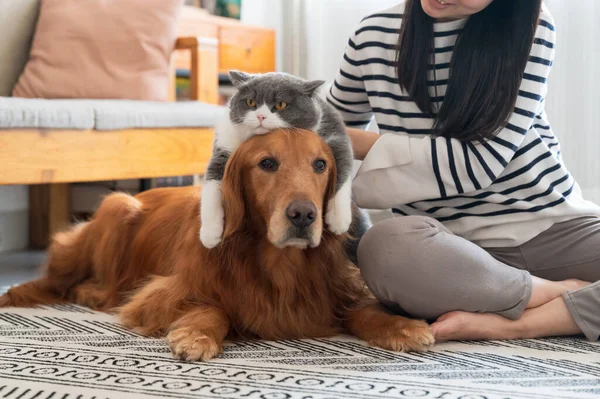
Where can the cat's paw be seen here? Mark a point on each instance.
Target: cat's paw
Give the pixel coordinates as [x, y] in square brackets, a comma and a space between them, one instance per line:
[212, 214]
[211, 231]
[338, 218]
[211, 236]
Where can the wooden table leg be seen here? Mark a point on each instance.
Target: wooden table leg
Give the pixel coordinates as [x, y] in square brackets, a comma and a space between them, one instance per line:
[49, 212]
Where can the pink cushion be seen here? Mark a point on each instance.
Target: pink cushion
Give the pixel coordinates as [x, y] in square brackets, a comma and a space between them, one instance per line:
[101, 49]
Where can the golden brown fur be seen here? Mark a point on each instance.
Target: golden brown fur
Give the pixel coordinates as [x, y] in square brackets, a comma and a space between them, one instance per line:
[141, 256]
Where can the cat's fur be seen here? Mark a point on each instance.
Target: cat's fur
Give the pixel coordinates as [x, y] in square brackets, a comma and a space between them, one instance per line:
[305, 110]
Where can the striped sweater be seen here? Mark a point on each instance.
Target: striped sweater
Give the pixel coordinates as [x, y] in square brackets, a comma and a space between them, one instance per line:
[499, 193]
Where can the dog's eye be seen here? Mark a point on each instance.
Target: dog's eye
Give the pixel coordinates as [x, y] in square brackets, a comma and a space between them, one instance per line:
[268, 164]
[280, 106]
[319, 166]
[251, 102]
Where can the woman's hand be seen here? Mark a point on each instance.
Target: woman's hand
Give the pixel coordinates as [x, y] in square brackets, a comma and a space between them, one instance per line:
[362, 141]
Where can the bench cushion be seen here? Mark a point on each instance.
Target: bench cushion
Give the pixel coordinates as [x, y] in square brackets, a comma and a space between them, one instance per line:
[20, 113]
[127, 114]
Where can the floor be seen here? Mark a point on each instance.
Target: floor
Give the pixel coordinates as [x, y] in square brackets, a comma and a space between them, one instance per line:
[16, 267]
[70, 352]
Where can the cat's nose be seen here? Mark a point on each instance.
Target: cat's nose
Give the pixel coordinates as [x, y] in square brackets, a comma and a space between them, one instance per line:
[261, 117]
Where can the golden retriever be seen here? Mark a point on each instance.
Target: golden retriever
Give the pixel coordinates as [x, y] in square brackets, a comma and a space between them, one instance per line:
[277, 274]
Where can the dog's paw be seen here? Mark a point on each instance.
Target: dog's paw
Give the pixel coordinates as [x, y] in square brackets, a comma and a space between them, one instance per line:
[414, 336]
[90, 295]
[338, 219]
[190, 345]
[211, 237]
[139, 320]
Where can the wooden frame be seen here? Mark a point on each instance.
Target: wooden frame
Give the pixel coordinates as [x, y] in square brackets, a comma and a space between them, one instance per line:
[68, 156]
[241, 46]
[44, 157]
[204, 68]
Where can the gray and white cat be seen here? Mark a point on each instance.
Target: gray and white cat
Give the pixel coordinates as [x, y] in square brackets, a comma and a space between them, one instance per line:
[263, 103]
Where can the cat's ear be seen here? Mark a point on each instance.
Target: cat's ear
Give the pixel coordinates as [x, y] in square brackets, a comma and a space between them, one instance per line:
[238, 78]
[311, 87]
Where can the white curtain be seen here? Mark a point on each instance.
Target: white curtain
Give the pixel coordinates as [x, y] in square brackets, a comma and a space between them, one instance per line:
[325, 27]
[574, 90]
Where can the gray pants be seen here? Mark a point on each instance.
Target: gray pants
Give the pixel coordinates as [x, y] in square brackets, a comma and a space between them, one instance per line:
[415, 265]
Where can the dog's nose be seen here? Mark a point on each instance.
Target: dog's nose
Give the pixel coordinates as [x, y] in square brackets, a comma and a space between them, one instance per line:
[302, 213]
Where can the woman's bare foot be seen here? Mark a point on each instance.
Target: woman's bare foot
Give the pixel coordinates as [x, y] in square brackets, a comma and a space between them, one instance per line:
[550, 319]
[459, 326]
[545, 291]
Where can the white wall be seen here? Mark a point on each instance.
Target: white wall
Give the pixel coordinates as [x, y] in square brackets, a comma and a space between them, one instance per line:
[14, 204]
[13, 198]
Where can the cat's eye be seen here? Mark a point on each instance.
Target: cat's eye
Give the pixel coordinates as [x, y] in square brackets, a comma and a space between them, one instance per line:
[251, 102]
[269, 165]
[281, 106]
[319, 166]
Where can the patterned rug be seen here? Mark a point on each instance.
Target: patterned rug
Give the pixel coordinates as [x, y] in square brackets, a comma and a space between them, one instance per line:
[68, 352]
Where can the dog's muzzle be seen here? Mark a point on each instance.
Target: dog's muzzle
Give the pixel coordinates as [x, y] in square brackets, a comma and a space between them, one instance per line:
[301, 215]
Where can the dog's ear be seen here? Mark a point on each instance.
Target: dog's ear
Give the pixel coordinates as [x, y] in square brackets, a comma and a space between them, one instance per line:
[233, 194]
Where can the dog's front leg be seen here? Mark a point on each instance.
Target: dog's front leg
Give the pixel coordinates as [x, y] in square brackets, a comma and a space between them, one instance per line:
[373, 324]
[199, 334]
[153, 308]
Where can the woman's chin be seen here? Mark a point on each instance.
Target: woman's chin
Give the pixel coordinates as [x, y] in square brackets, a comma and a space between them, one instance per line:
[438, 11]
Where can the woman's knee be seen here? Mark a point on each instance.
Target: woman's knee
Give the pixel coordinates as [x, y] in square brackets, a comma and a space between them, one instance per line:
[397, 236]
[392, 250]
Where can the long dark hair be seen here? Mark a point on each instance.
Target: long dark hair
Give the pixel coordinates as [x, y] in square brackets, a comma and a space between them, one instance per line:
[487, 66]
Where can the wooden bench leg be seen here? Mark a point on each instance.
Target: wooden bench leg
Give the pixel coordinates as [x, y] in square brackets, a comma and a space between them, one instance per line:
[145, 184]
[49, 212]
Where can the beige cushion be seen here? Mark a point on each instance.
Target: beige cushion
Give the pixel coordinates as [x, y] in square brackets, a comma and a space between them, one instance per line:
[103, 49]
[17, 24]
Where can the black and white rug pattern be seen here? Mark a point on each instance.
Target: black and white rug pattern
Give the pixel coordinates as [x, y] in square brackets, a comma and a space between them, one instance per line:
[68, 352]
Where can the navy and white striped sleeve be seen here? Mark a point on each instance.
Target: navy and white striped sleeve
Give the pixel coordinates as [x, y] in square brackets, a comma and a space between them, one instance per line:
[348, 94]
[410, 169]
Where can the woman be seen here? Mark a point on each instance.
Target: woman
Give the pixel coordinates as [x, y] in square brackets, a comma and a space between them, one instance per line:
[495, 241]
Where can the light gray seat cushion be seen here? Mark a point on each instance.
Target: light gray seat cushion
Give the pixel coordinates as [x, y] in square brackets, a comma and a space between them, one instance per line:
[25, 113]
[127, 114]
[18, 19]
[21, 113]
